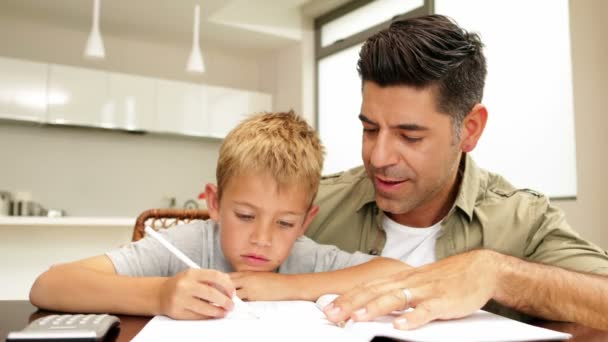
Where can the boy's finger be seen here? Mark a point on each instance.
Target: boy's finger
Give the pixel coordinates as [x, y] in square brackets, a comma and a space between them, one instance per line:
[242, 293]
[217, 279]
[203, 310]
[211, 294]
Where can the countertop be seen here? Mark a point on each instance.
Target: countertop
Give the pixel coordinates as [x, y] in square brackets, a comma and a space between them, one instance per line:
[66, 221]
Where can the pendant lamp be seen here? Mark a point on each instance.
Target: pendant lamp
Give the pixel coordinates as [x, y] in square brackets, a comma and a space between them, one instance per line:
[94, 48]
[195, 61]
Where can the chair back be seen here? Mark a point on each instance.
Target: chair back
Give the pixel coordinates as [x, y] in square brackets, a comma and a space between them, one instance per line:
[165, 218]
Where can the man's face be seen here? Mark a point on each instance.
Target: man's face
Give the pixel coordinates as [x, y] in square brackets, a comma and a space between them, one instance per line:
[259, 222]
[409, 152]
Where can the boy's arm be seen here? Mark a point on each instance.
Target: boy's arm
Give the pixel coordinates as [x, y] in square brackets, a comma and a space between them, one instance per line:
[310, 286]
[92, 285]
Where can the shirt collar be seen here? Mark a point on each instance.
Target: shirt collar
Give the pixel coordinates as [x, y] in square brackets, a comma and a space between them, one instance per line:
[366, 193]
[470, 179]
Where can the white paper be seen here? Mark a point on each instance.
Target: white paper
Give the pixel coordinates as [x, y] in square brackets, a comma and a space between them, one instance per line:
[303, 321]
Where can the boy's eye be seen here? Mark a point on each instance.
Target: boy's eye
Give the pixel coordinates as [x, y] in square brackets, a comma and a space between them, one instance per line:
[244, 217]
[285, 224]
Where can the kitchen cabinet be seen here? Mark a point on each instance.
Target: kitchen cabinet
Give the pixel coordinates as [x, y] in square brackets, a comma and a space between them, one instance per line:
[23, 91]
[227, 107]
[60, 94]
[180, 108]
[133, 101]
[85, 94]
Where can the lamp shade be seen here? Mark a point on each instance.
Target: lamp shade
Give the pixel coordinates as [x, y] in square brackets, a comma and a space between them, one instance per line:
[195, 61]
[94, 47]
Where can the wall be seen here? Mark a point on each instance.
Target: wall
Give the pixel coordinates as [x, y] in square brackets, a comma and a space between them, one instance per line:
[589, 30]
[91, 172]
[103, 173]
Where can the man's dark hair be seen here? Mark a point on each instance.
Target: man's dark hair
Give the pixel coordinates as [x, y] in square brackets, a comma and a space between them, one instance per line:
[428, 51]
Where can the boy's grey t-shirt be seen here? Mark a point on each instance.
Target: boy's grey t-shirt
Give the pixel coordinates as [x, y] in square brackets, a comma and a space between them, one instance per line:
[200, 242]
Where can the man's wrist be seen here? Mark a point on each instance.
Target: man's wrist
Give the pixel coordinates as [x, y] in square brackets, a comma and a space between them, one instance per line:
[504, 268]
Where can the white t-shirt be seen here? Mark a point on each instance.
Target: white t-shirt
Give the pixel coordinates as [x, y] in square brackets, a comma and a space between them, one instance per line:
[414, 246]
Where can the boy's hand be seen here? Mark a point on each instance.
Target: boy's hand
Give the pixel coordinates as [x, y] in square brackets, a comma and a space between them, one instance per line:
[196, 294]
[261, 285]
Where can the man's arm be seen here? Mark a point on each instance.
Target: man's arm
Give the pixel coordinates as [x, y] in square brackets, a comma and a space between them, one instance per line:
[92, 285]
[553, 293]
[310, 286]
[459, 285]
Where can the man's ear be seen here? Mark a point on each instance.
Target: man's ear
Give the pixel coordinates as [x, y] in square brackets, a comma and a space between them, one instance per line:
[314, 210]
[472, 127]
[213, 202]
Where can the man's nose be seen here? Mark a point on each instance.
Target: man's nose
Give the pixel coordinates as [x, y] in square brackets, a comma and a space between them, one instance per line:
[383, 152]
[262, 235]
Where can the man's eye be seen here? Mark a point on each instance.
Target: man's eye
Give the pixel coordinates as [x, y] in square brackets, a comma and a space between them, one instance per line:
[369, 130]
[245, 217]
[411, 139]
[285, 224]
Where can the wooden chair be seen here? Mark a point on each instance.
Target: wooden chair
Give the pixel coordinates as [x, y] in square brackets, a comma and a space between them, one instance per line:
[165, 218]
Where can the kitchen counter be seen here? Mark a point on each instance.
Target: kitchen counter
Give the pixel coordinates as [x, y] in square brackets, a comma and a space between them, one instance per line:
[66, 221]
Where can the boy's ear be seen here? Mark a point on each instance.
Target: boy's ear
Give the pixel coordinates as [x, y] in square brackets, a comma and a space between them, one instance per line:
[213, 203]
[314, 210]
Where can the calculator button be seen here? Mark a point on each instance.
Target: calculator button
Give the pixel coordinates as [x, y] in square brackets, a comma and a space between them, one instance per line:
[73, 319]
[85, 319]
[46, 319]
[60, 319]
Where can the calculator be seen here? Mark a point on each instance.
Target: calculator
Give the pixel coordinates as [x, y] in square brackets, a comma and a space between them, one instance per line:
[90, 327]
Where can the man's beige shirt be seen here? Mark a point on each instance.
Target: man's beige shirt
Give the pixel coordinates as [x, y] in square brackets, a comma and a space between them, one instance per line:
[488, 213]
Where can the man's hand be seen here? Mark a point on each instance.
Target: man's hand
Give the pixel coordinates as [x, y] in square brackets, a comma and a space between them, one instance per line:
[261, 285]
[196, 294]
[451, 288]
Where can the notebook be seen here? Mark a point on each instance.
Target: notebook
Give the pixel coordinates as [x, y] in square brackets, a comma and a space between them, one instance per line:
[304, 321]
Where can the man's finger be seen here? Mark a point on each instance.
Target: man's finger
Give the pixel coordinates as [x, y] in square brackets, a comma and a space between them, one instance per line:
[344, 306]
[395, 300]
[421, 315]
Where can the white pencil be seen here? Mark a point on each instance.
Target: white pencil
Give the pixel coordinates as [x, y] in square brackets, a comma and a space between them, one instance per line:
[238, 302]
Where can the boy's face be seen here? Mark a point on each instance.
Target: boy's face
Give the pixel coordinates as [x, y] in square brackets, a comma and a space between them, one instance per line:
[259, 222]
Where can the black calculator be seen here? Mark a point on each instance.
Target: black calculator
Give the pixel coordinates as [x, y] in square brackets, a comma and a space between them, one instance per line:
[90, 327]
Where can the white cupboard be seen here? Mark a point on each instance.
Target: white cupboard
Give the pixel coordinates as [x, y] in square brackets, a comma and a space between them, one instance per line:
[227, 107]
[133, 101]
[85, 97]
[66, 95]
[180, 108]
[23, 90]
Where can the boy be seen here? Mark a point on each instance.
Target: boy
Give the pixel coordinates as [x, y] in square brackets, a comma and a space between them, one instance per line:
[268, 172]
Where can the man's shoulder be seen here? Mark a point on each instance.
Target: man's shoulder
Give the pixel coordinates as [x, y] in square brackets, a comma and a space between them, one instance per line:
[352, 183]
[495, 188]
[345, 178]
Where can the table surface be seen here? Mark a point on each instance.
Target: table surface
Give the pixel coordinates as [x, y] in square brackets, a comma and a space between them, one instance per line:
[16, 314]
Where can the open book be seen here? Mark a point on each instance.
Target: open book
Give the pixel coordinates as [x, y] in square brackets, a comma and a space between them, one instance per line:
[304, 321]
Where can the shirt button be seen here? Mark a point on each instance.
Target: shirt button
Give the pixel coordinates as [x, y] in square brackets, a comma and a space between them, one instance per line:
[374, 252]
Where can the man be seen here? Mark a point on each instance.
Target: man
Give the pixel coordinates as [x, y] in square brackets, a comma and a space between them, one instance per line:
[474, 238]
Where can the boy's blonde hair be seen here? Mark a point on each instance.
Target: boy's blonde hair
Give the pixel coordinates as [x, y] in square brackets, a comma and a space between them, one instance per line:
[282, 144]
